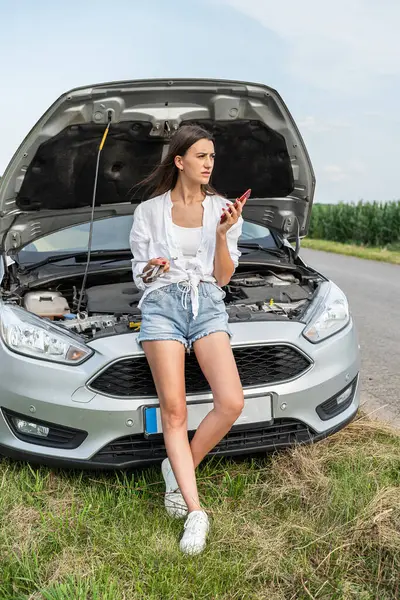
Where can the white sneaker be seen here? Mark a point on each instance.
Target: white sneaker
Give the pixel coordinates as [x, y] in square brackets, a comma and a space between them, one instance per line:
[196, 528]
[174, 502]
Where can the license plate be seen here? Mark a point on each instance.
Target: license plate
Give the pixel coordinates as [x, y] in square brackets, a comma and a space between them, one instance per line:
[255, 410]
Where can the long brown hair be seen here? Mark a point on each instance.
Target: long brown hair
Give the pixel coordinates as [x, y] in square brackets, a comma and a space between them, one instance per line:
[165, 175]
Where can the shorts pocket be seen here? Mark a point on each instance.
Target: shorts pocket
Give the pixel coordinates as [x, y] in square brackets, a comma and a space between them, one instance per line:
[155, 296]
[216, 293]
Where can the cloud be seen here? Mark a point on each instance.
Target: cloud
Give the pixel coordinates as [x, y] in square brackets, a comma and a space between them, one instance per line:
[334, 173]
[341, 46]
[313, 124]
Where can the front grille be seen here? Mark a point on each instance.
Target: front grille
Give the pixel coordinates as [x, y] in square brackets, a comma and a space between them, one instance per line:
[282, 433]
[257, 365]
[59, 436]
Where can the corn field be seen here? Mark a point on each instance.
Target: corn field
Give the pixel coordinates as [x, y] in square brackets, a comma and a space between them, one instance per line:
[368, 224]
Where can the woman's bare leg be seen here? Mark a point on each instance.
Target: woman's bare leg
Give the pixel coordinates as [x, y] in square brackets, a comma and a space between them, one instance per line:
[167, 363]
[216, 360]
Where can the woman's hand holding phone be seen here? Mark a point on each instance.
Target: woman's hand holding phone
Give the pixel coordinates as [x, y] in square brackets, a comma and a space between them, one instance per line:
[231, 215]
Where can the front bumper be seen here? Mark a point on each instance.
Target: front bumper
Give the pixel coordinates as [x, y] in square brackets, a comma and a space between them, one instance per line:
[155, 452]
[58, 394]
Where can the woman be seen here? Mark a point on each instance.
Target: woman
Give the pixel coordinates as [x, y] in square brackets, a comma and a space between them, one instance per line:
[184, 308]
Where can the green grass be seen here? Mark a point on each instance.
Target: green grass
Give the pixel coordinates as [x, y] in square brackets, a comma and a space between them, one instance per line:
[380, 254]
[319, 522]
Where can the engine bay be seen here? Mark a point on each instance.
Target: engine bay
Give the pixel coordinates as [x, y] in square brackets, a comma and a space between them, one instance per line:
[110, 303]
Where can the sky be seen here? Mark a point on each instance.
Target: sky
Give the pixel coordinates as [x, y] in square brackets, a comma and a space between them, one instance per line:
[335, 64]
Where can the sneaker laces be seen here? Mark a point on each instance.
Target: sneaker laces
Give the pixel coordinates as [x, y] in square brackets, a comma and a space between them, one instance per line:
[175, 498]
[194, 523]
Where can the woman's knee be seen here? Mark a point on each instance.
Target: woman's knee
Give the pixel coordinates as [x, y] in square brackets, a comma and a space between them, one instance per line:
[231, 406]
[174, 414]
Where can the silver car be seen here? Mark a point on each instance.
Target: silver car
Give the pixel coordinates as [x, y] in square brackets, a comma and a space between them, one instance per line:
[75, 387]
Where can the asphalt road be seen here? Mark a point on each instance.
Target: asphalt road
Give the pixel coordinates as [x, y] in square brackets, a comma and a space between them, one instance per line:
[373, 291]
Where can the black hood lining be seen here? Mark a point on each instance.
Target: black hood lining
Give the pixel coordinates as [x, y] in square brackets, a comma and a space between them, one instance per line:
[61, 174]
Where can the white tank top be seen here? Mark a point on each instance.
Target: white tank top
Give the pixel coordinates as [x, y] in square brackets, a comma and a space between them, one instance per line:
[189, 239]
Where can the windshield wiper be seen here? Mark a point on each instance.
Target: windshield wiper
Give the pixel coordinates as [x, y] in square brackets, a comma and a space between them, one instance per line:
[255, 246]
[114, 255]
[79, 257]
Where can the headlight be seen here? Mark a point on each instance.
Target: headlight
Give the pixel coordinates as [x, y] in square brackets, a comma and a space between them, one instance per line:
[331, 316]
[27, 334]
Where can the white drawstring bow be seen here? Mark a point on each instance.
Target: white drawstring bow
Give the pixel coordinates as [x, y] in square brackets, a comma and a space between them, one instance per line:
[190, 286]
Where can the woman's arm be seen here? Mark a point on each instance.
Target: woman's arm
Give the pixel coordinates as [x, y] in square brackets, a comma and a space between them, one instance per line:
[226, 246]
[223, 263]
[139, 243]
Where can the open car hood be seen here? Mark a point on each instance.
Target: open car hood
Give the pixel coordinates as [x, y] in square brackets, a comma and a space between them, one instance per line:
[48, 184]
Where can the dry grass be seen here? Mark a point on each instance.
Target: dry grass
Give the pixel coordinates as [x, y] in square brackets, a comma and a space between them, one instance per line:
[319, 522]
[20, 528]
[367, 252]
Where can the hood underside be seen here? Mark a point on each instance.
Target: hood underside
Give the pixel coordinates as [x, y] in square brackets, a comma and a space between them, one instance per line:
[48, 184]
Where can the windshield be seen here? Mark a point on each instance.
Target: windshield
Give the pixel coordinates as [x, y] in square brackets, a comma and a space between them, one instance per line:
[113, 234]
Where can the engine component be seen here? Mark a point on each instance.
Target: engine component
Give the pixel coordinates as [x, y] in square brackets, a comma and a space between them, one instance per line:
[257, 288]
[264, 310]
[282, 279]
[112, 308]
[80, 325]
[256, 279]
[292, 292]
[46, 304]
[98, 323]
[112, 298]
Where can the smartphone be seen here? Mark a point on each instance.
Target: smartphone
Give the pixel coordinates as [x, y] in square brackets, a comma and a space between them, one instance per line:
[242, 198]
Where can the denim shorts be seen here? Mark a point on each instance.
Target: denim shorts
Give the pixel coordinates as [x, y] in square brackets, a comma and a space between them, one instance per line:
[167, 314]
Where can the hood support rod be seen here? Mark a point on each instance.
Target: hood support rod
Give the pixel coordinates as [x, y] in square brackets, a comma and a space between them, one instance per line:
[103, 140]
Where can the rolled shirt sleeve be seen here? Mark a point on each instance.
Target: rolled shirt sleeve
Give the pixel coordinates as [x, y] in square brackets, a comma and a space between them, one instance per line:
[232, 238]
[139, 242]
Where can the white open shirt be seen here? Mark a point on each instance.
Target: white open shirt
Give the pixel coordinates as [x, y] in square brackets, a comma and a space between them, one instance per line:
[152, 235]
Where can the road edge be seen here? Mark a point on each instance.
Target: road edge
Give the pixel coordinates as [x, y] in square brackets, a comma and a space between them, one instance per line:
[366, 253]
